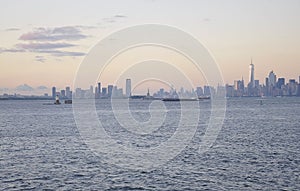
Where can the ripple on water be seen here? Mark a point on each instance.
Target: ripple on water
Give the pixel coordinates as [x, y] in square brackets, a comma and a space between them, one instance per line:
[258, 148]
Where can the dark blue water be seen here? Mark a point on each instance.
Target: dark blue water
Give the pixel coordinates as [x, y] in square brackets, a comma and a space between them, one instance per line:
[258, 148]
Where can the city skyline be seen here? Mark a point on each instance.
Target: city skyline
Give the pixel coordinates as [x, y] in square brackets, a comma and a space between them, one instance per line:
[271, 86]
[39, 51]
[251, 84]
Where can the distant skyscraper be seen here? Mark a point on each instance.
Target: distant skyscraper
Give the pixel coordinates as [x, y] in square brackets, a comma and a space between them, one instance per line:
[280, 82]
[267, 82]
[128, 87]
[292, 81]
[272, 79]
[53, 92]
[115, 91]
[63, 93]
[91, 89]
[251, 75]
[99, 88]
[256, 83]
[199, 91]
[104, 92]
[96, 92]
[68, 93]
[236, 84]
[109, 90]
[242, 87]
[207, 91]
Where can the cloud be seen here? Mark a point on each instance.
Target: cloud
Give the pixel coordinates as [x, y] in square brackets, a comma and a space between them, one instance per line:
[40, 59]
[120, 16]
[85, 27]
[44, 49]
[60, 53]
[67, 53]
[109, 20]
[51, 41]
[42, 46]
[207, 20]
[112, 19]
[12, 29]
[68, 33]
[12, 50]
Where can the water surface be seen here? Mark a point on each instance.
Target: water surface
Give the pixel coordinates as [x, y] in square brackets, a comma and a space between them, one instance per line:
[258, 148]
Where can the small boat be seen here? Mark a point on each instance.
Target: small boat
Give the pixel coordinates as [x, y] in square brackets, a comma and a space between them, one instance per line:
[57, 102]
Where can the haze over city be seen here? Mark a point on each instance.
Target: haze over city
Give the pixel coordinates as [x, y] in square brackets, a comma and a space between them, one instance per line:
[44, 42]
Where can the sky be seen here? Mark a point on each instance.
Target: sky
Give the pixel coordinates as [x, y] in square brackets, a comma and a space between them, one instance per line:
[44, 42]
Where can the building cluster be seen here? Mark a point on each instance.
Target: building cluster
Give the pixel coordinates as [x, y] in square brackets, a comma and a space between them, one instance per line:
[206, 91]
[97, 92]
[272, 86]
[63, 94]
[112, 91]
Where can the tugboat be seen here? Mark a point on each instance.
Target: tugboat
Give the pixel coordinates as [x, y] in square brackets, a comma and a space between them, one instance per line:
[57, 102]
[68, 101]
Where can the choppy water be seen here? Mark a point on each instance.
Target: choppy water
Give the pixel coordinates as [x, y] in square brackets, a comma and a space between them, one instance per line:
[258, 148]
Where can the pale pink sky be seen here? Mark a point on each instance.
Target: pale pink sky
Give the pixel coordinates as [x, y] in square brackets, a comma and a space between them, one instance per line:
[44, 42]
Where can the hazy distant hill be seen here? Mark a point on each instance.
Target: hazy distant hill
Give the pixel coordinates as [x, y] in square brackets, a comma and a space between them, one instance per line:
[24, 87]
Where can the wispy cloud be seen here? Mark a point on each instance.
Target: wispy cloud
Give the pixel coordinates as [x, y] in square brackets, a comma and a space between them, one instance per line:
[42, 46]
[120, 16]
[68, 33]
[44, 49]
[40, 59]
[85, 27]
[61, 53]
[112, 19]
[109, 20]
[12, 50]
[207, 20]
[51, 41]
[12, 29]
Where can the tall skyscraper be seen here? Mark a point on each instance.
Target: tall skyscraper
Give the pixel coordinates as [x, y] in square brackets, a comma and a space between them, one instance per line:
[53, 92]
[207, 91]
[114, 91]
[99, 89]
[251, 75]
[128, 87]
[272, 79]
[109, 90]
[199, 91]
[68, 92]
[242, 84]
[267, 82]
